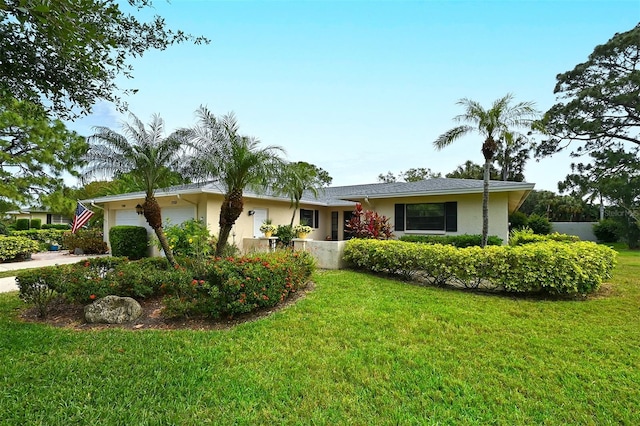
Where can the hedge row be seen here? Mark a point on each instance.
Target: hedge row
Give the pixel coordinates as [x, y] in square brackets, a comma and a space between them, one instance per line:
[219, 287]
[465, 240]
[42, 235]
[12, 248]
[527, 236]
[551, 267]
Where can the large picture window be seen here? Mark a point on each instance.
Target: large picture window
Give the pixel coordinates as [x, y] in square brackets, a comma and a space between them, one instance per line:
[427, 217]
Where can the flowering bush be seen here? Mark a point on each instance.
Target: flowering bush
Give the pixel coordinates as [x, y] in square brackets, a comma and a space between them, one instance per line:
[191, 238]
[268, 227]
[302, 229]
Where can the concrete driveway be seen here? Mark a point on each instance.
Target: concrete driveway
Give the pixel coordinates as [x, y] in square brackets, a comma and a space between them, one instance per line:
[49, 258]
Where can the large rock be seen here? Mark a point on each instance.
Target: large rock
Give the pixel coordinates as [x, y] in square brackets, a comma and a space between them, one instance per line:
[112, 310]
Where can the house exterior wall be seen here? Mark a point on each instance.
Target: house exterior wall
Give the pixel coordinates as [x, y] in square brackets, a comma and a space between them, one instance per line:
[469, 213]
[30, 216]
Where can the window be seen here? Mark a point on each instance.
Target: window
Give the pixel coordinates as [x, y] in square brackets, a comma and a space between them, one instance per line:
[310, 218]
[427, 217]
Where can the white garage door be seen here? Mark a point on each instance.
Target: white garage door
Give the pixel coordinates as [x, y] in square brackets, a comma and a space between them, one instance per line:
[172, 215]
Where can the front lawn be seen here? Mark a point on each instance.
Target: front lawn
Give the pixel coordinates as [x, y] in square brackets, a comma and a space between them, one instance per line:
[358, 350]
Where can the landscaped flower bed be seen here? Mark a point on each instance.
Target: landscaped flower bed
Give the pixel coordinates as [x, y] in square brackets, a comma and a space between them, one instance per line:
[213, 288]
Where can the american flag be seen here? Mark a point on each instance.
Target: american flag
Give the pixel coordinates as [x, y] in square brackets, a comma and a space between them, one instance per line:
[82, 216]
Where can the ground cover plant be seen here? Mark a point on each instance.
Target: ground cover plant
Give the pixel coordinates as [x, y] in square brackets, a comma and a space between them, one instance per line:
[360, 349]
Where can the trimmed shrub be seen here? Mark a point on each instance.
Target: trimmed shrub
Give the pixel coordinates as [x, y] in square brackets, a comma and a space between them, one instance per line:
[38, 287]
[35, 223]
[129, 241]
[551, 266]
[58, 226]
[44, 236]
[607, 230]
[465, 240]
[90, 241]
[22, 224]
[539, 224]
[285, 235]
[16, 248]
[526, 236]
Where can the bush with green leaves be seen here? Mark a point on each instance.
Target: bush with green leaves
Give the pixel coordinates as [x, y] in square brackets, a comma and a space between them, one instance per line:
[191, 238]
[90, 241]
[260, 280]
[517, 220]
[4, 229]
[607, 230]
[465, 240]
[44, 236]
[35, 223]
[129, 241]
[17, 248]
[58, 226]
[38, 287]
[285, 234]
[527, 236]
[550, 266]
[539, 224]
[22, 224]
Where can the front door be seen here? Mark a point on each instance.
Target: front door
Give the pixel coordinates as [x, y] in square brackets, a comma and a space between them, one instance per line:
[259, 216]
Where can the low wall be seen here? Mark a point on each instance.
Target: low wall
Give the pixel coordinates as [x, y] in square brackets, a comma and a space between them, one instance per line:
[584, 230]
[328, 254]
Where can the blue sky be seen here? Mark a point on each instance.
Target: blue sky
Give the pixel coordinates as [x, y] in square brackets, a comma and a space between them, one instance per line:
[360, 88]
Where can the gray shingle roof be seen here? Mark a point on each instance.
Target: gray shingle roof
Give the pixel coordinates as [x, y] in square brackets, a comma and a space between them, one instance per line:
[345, 195]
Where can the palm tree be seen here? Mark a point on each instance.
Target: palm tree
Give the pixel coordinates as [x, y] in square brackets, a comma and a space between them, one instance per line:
[493, 124]
[236, 162]
[299, 177]
[145, 155]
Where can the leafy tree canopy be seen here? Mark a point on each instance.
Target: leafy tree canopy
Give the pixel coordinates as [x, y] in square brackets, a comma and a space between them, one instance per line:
[411, 175]
[598, 100]
[34, 151]
[471, 170]
[69, 52]
[558, 208]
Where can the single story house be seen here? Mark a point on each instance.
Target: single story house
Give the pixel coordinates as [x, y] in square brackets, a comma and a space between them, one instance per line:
[439, 206]
[45, 216]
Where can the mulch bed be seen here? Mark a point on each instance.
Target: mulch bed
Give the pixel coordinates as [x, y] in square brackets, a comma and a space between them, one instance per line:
[68, 315]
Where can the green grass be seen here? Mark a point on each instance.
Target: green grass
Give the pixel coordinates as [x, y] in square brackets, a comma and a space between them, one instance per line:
[359, 350]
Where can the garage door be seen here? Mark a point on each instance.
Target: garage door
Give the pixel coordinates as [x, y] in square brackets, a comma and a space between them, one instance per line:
[172, 215]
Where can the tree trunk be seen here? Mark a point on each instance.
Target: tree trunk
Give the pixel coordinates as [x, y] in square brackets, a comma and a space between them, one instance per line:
[154, 219]
[485, 204]
[230, 211]
[165, 245]
[293, 216]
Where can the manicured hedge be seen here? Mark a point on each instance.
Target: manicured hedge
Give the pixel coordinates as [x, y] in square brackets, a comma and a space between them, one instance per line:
[42, 235]
[465, 240]
[12, 248]
[129, 241]
[22, 224]
[527, 236]
[552, 267]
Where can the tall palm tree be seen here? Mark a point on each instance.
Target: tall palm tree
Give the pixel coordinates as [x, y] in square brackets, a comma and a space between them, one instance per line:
[146, 155]
[236, 162]
[493, 124]
[296, 178]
